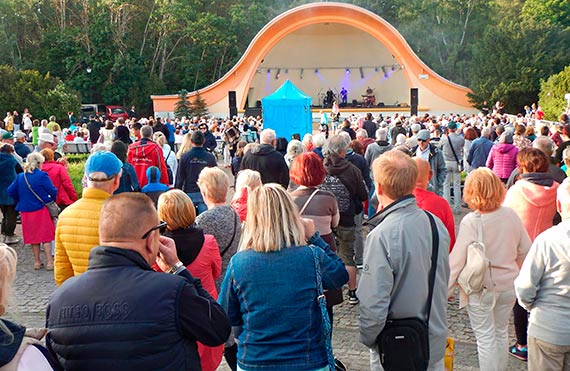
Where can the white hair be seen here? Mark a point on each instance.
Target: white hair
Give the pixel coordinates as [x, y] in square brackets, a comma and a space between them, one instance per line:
[267, 136]
[319, 140]
[361, 133]
[381, 134]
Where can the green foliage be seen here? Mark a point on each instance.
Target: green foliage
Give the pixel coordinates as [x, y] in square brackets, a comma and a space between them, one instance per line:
[134, 48]
[76, 171]
[43, 95]
[552, 92]
[199, 106]
[183, 107]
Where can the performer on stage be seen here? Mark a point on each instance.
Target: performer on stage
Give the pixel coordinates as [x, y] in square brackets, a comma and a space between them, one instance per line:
[335, 112]
[329, 98]
[343, 97]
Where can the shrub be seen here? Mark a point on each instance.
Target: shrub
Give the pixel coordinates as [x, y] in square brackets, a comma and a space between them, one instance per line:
[552, 91]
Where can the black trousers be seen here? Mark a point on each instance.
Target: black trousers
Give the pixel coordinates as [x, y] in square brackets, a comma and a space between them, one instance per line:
[9, 217]
[520, 320]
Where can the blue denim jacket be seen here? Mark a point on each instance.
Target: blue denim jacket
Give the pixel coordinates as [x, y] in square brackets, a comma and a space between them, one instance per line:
[273, 296]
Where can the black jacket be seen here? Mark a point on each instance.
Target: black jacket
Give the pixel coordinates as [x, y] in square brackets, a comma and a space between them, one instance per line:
[122, 315]
[370, 128]
[210, 141]
[270, 164]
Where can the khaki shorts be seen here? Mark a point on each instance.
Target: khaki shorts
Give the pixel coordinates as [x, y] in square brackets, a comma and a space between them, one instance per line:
[345, 245]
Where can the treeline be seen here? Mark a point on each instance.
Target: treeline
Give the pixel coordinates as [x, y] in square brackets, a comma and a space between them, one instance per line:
[121, 52]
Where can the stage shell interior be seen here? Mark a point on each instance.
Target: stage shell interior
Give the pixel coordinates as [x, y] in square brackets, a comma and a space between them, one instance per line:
[328, 46]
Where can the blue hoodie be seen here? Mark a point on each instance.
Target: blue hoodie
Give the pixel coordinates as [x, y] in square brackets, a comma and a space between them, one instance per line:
[154, 185]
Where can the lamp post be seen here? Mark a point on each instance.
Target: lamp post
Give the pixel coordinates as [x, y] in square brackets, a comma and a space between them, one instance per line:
[89, 70]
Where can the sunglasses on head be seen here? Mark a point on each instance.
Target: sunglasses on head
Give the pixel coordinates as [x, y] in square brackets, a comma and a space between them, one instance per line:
[160, 226]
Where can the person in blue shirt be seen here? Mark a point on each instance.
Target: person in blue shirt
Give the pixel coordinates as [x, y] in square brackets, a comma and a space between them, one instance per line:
[270, 288]
[154, 188]
[32, 190]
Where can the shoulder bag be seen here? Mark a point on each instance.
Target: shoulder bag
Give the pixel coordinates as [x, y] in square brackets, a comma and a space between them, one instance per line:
[308, 201]
[52, 207]
[459, 163]
[472, 277]
[334, 297]
[403, 344]
[225, 250]
[334, 365]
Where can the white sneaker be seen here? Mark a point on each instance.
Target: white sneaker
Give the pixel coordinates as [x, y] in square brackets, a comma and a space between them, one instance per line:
[11, 240]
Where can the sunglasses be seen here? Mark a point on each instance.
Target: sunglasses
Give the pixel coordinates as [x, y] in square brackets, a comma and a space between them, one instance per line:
[161, 226]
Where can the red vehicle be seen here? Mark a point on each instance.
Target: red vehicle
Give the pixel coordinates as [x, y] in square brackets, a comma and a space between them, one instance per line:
[115, 112]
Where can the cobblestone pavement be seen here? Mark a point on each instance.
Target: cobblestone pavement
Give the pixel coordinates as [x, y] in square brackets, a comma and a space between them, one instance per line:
[33, 289]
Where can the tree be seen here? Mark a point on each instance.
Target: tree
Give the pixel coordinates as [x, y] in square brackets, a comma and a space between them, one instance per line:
[552, 94]
[199, 106]
[43, 95]
[183, 107]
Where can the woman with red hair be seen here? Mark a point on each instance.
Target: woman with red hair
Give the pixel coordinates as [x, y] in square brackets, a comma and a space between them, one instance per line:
[308, 172]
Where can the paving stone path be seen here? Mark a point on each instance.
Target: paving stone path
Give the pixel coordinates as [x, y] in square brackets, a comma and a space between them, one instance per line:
[33, 289]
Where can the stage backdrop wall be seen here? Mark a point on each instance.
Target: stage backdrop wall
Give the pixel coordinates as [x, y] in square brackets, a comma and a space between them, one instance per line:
[287, 111]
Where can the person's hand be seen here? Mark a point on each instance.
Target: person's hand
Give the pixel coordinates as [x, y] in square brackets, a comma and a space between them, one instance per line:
[309, 226]
[167, 255]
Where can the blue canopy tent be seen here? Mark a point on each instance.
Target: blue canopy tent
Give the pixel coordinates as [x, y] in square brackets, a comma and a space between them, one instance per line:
[287, 111]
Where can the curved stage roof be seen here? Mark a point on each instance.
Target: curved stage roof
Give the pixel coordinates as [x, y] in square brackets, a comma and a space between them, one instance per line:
[300, 41]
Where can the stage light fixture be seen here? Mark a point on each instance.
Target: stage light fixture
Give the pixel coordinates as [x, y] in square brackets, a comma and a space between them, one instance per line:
[393, 68]
[286, 71]
[316, 70]
[347, 71]
[268, 71]
[361, 73]
[301, 76]
[375, 69]
[278, 73]
[385, 70]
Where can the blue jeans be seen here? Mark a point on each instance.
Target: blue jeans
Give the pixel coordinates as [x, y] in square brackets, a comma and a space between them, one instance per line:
[371, 208]
[198, 202]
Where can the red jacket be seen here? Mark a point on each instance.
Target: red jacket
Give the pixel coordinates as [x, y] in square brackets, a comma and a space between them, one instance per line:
[144, 154]
[58, 175]
[439, 207]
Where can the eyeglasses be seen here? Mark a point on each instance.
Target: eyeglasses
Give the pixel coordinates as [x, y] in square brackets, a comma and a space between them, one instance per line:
[161, 226]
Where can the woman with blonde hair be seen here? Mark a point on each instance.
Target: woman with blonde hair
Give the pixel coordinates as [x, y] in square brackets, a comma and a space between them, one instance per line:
[197, 251]
[167, 153]
[270, 286]
[32, 190]
[20, 348]
[506, 244]
[185, 146]
[246, 181]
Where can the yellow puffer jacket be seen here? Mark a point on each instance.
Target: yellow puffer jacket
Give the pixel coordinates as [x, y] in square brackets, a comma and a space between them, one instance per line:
[77, 233]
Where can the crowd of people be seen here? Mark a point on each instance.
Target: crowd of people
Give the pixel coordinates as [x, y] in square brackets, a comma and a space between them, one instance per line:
[368, 206]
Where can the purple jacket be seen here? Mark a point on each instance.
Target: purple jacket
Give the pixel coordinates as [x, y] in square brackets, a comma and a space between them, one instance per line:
[502, 159]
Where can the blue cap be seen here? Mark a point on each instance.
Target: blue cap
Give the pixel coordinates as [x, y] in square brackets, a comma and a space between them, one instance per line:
[104, 162]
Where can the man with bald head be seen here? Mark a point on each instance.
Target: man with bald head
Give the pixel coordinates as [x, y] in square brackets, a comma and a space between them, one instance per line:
[431, 202]
[397, 261]
[121, 314]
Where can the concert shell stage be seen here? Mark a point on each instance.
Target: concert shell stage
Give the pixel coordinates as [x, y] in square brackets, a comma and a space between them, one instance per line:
[328, 46]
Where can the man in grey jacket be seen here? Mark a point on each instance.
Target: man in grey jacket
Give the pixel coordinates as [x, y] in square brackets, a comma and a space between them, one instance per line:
[452, 148]
[432, 154]
[542, 288]
[397, 261]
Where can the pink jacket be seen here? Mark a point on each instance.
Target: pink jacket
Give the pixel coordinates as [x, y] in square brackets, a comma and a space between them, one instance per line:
[58, 175]
[502, 159]
[534, 204]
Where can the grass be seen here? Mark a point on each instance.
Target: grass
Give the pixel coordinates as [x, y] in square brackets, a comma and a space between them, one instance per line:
[76, 170]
